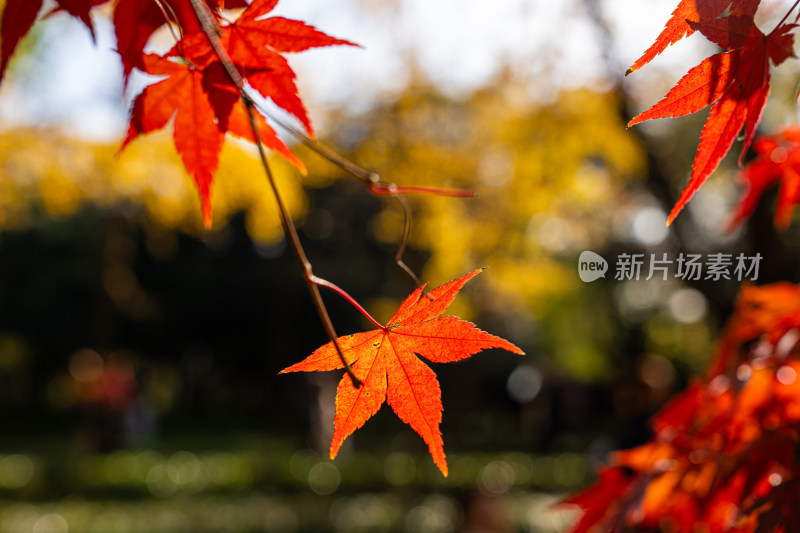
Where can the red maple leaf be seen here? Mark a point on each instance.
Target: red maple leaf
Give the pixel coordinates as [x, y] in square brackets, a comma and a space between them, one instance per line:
[765, 312]
[197, 135]
[202, 97]
[232, 113]
[735, 83]
[384, 360]
[777, 161]
[680, 24]
[255, 45]
[603, 503]
[135, 21]
[19, 16]
[724, 452]
[203, 112]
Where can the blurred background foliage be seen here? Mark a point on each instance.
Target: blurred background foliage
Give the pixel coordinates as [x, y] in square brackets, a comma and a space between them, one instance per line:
[148, 185]
[139, 352]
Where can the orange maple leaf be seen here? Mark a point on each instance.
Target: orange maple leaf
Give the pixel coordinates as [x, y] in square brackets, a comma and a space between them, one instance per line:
[762, 312]
[384, 360]
[735, 83]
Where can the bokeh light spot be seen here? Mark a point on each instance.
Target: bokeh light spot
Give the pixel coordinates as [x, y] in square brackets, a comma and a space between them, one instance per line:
[687, 306]
[786, 375]
[524, 383]
[324, 478]
[400, 468]
[496, 478]
[51, 523]
[85, 366]
[649, 226]
[16, 471]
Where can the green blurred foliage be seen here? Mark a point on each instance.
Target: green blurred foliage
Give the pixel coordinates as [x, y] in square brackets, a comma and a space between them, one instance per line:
[267, 485]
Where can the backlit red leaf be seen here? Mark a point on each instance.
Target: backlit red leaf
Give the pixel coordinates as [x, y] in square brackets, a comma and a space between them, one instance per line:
[255, 45]
[278, 84]
[19, 16]
[198, 90]
[678, 26]
[135, 21]
[384, 359]
[603, 503]
[197, 136]
[735, 83]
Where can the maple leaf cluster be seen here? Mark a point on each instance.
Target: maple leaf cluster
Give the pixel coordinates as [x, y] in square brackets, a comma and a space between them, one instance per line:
[734, 82]
[724, 455]
[196, 89]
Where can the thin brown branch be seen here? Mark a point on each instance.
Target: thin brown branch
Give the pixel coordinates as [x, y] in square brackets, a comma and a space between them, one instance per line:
[786, 16]
[291, 232]
[401, 249]
[205, 17]
[371, 179]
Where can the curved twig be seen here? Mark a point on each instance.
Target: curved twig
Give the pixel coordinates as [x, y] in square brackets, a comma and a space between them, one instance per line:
[171, 18]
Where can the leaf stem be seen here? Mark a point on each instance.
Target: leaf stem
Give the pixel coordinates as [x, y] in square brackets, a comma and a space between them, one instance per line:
[320, 149]
[371, 179]
[384, 189]
[352, 301]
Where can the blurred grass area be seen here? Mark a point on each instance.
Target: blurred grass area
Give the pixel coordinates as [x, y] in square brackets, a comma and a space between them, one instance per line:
[265, 484]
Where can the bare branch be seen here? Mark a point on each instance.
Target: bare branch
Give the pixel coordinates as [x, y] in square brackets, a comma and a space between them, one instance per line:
[206, 19]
